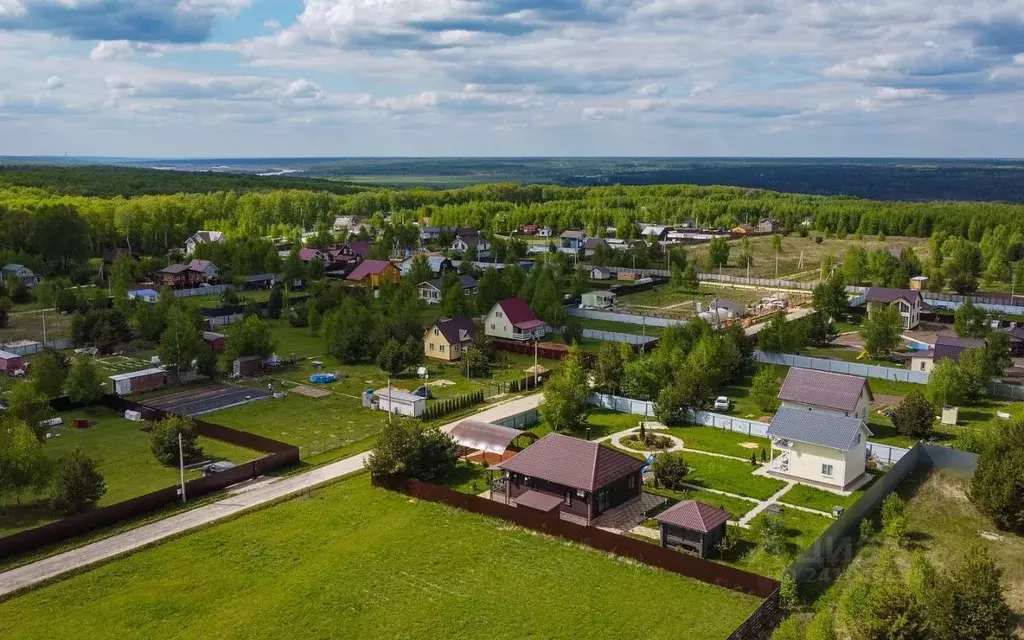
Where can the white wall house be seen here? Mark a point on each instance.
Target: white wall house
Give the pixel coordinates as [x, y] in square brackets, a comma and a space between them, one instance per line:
[908, 301]
[513, 319]
[818, 448]
[824, 392]
[945, 348]
[202, 237]
[400, 402]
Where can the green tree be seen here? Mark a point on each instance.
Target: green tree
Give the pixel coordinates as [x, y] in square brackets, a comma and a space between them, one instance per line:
[690, 281]
[77, 484]
[770, 532]
[564, 406]
[490, 289]
[997, 487]
[419, 270]
[181, 341]
[967, 601]
[250, 337]
[122, 277]
[718, 253]
[961, 265]
[23, 463]
[829, 298]
[780, 335]
[971, 321]
[764, 389]
[879, 606]
[84, 383]
[821, 331]
[947, 386]
[391, 358]
[164, 440]
[27, 404]
[48, 373]
[881, 330]
[913, 416]
[276, 301]
[608, 368]
[670, 470]
[5, 315]
[855, 266]
[894, 518]
[405, 448]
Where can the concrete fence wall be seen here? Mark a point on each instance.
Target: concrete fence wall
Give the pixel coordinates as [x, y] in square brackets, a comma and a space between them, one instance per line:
[36, 347]
[622, 317]
[614, 336]
[202, 291]
[839, 366]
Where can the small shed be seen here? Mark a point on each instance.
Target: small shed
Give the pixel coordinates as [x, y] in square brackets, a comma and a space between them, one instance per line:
[146, 295]
[693, 526]
[217, 341]
[400, 402]
[136, 381]
[598, 299]
[474, 435]
[600, 273]
[10, 362]
[247, 366]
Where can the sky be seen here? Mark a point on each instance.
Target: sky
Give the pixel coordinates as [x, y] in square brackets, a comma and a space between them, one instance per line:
[295, 78]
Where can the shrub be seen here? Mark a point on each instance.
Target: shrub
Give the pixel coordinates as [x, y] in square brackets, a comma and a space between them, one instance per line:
[913, 417]
[77, 485]
[997, 488]
[894, 518]
[164, 440]
[669, 470]
[771, 534]
[407, 449]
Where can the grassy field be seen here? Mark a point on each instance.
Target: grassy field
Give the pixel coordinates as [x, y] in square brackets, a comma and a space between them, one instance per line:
[733, 476]
[354, 561]
[601, 422]
[804, 496]
[795, 247]
[122, 453]
[802, 529]
[718, 440]
[943, 524]
[29, 326]
[621, 327]
[735, 506]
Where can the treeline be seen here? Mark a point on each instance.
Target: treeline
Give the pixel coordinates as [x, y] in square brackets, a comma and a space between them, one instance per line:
[109, 181]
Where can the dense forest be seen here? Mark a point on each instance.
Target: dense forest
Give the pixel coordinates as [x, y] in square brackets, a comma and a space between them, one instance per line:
[52, 232]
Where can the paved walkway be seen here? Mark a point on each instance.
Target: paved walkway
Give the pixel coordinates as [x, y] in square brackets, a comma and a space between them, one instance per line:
[247, 497]
[764, 504]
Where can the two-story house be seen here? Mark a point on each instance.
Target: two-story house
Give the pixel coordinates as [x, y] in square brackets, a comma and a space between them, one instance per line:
[818, 448]
[572, 241]
[463, 242]
[202, 237]
[825, 392]
[909, 302]
[513, 319]
[447, 339]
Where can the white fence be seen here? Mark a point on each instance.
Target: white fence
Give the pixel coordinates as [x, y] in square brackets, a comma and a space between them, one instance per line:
[614, 336]
[770, 283]
[883, 453]
[33, 347]
[622, 317]
[202, 291]
[840, 366]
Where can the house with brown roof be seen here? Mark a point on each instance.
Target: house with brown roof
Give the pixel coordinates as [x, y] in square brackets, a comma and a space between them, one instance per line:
[826, 392]
[371, 273]
[447, 339]
[587, 477]
[572, 241]
[431, 290]
[513, 319]
[908, 301]
[692, 526]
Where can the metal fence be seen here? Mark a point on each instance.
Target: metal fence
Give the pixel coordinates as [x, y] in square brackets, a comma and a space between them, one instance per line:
[202, 291]
[840, 366]
[614, 336]
[34, 347]
[770, 283]
[996, 307]
[523, 420]
[611, 316]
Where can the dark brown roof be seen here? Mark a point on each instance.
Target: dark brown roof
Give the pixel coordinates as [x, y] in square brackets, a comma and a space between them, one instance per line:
[823, 389]
[539, 501]
[693, 515]
[572, 462]
[453, 328]
[887, 296]
[367, 267]
[952, 347]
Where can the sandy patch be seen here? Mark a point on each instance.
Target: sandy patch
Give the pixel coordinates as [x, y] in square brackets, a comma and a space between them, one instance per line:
[440, 383]
[311, 392]
[750, 445]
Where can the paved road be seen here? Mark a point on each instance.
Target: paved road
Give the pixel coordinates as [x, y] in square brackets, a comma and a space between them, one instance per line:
[238, 500]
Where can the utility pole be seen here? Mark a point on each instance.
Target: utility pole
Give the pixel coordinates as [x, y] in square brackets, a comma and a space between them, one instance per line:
[536, 339]
[42, 314]
[181, 467]
[390, 406]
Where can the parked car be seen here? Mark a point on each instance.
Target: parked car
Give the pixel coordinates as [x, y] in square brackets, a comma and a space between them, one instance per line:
[722, 403]
[216, 467]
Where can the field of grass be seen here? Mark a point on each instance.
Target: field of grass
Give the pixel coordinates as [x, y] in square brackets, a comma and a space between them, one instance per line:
[718, 440]
[794, 248]
[353, 561]
[29, 326]
[804, 496]
[733, 476]
[735, 506]
[943, 524]
[601, 422]
[847, 355]
[802, 529]
[621, 327]
[122, 454]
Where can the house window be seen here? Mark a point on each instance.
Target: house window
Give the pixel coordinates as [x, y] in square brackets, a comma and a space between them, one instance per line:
[632, 482]
[922, 365]
[492, 327]
[431, 346]
[436, 332]
[497, 314]
[857, 439]
[827, 470]
[440, 348]
[580, 493]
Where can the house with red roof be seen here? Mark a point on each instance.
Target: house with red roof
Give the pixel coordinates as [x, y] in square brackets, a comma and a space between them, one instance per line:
[826, 392]
[371, 273]
[513, 319]
[585, 478]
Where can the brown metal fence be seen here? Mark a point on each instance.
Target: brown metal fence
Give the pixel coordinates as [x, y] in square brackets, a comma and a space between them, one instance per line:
[647, 553]
[280, 455]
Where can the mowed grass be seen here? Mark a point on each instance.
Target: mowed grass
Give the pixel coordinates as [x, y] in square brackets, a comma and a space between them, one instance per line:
[122, 453]
[717, 440]
[621, 327]
[804, 496]
[314, 425]
[352, 561]
[712, 472]
[736, 507]
[802, 529]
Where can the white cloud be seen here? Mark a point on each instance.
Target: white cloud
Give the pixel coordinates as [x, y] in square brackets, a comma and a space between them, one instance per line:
[53, 83]
[651, 90]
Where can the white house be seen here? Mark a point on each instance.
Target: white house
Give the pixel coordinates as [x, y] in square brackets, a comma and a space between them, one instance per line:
[545, 232]
[945, 348]
[400, 402]
[829, 393]
[462, 243]
[202, 237]
[818, 448]
[600, 273]
[908, 301]
[598, 299]
[432, 291]
[513, 319]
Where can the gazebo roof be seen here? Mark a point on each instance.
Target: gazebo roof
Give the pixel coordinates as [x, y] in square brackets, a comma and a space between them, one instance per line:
[484, 436]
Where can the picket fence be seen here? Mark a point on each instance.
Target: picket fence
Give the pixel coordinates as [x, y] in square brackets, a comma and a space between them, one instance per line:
[883, 453]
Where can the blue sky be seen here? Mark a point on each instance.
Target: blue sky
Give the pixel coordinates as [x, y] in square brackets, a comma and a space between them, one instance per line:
[512, 77]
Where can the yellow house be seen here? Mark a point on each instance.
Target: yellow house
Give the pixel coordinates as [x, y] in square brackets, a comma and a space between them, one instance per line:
[447, 339]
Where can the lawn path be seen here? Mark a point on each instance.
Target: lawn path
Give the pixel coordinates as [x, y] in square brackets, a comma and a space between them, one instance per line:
[764, 504]
[238, 500]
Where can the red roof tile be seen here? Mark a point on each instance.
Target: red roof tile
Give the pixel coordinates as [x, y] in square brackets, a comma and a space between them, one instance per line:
[519, 313]
[572, 462]
[367, 267]
[693, 515]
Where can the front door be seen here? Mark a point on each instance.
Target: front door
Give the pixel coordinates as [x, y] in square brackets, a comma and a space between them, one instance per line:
[602, 501]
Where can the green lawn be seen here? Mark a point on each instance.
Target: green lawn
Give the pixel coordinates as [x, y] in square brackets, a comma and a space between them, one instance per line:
[733, 476]
[315, 425]
[847, 355]
[804, 496]
[735, 506]
[602, 422]
[351, 561]
[468, 477]
[718, 440]
[621, 327]
[802, 529]
[122, 453]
